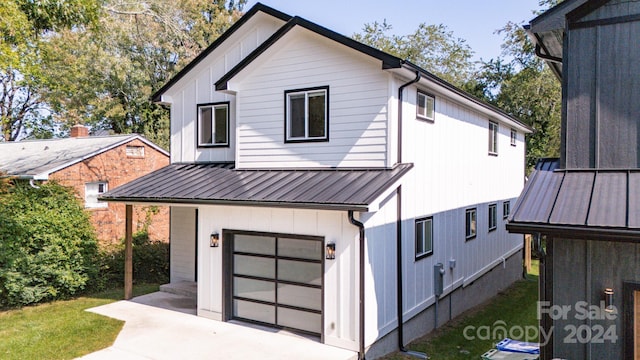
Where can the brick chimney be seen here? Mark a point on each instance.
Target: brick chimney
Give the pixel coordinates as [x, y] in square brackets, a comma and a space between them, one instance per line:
[79, 131]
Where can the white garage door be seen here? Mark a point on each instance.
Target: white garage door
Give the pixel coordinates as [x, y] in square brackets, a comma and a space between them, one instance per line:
[277, 280]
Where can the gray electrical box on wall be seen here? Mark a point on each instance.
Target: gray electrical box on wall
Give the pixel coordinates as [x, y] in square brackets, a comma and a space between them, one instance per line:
[438, 279]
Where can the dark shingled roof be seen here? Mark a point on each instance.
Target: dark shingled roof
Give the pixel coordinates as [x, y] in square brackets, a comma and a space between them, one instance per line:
[220, 183]
[586, 203]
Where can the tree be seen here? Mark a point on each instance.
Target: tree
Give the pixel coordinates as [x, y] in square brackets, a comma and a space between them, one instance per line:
[523, 85]
[48, 249]
[111, 71]
[24, 26]
[432, 47]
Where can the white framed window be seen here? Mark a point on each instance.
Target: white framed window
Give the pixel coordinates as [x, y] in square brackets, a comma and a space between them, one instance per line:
[514, 137]
[135, 151]
[91, 192]
[213, 124]
[471, 223]
[493, 138]
[426, 106]
[424, 237]
[506, 209]
[493, 217]
[307, 114]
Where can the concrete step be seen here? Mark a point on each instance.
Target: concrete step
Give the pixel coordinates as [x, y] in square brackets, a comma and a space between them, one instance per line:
[184, 288]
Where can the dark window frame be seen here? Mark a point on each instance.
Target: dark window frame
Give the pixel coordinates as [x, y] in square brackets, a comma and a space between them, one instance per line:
[514, 137]
[494, 130]
[628, 333]
[213, 105]
[423, 254]
[468, 234]
[506, 209]
[427, 96]
[492, 217]
[287, 93]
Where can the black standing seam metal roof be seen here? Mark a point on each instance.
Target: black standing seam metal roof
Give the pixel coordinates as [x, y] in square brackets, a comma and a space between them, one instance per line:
[221, 183]
[582, 202]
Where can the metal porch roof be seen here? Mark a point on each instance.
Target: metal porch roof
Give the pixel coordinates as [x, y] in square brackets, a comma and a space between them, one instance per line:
[222, 184]
[589, 202]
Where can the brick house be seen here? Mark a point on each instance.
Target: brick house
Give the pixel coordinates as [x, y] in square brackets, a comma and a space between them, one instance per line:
[92, 165]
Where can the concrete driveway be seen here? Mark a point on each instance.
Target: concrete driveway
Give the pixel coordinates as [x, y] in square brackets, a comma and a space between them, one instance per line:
[152, 332]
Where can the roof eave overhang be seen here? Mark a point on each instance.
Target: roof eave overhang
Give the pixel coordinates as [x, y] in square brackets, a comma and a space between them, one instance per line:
[576, 231]
[465, 98]
[224, 84]
[159, 97]
[248, 203]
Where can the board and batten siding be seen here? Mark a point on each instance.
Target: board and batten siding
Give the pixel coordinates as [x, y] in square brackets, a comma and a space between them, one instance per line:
[197, 87]
[183, 240]
[453, 171]
[340, 275]
[358, 105]
[601, 91]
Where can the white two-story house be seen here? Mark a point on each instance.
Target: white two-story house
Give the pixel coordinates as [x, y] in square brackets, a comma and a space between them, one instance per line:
[322, 186]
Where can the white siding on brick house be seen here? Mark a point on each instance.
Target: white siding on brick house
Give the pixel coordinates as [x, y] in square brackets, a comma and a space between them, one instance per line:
[358, 101]
[197, 87]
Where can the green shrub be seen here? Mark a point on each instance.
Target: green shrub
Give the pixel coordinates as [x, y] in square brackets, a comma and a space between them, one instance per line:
[150, 262]
[48, 248]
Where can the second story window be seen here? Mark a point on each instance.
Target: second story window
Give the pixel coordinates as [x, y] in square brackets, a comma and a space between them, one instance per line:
[514, 137]
[213, 125]
[426, 107]
[493, 138]
[307, 114]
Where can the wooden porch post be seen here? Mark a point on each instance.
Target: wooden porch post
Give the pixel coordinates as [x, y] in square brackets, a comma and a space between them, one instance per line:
[128, 254]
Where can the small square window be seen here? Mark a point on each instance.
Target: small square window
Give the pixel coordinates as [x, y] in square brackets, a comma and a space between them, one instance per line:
[307, 113]
[471, 224]
[213, 125]
[493, 216]
[493, 138]
[91, 193]
[135, 151]
[425, 108]
[506, 209]
[424, 237]
[514, 137]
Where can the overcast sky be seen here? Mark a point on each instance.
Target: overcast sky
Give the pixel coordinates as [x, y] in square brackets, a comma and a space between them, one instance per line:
[473, 20]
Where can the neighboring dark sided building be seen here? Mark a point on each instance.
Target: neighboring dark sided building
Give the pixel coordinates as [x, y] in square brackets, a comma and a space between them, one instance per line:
[587, 203]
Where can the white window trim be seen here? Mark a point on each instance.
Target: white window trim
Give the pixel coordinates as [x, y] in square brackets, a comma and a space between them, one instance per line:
[306, 92]
[91, 195]
[433, 106]
[494, 129]
[425, 253]
[213, 107]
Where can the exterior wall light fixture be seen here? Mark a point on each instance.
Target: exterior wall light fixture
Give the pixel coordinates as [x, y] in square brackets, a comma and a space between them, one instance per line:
[214, 241]
[331, 251]
[608, 300]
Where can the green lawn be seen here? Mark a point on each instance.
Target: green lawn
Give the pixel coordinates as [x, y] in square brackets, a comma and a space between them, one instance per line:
[516, 306]
[61, 329]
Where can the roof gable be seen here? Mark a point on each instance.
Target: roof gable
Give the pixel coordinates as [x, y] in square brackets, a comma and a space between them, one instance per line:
[388, 61]
[258, 7]
[37, 159]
